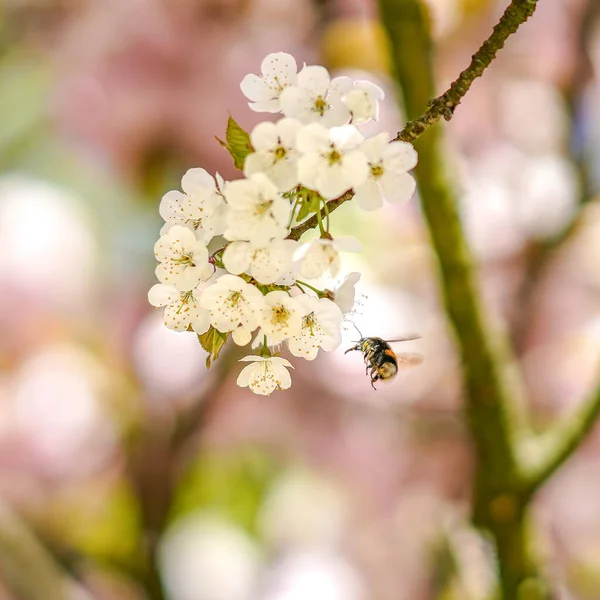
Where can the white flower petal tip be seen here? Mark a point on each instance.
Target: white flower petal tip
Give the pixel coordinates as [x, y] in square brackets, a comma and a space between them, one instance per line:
[265, 375]
[279, 72]
[345, 294]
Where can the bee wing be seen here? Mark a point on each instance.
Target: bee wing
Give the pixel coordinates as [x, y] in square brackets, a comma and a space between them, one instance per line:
[409, 358]
[408, 338]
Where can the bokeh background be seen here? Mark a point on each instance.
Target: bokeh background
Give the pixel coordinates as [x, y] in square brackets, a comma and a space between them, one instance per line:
[130, 472]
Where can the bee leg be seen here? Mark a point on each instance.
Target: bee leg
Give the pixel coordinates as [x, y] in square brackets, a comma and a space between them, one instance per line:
[357, 347]
[374, 378]
[368, 366]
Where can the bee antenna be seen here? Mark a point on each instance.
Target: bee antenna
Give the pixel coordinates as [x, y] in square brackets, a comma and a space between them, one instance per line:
[357, 329]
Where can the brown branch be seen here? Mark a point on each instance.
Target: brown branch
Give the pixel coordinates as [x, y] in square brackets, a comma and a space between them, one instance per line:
[444, 106]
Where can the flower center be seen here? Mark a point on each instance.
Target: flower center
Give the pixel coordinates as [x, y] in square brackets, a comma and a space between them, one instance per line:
[334, 156]
[320, 105]
[377, 171]
[184, 259]
[263, 207]
[280, 153]
[280, 315]
[309, 323]
[235, 298]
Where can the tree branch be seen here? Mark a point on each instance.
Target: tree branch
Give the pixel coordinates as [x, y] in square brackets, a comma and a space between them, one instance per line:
[551, 449]
[488, 376]
[443, 106]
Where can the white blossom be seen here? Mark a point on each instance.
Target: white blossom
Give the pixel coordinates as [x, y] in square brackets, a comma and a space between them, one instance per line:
[331, 162]
[233, 303]
[257, 212]
[323, 255]
[200, 207]
[265, 263]
[345, 294]
[278, 73]
[313, 100]
[320, 327]
[183, 259]
[387, 178]
[361, 98]
[182, 309]
[265, 375]
[275, 152]
[281, 316]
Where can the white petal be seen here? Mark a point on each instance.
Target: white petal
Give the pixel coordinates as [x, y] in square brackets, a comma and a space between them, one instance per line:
[397, 187]
[241, 336]
[284, 377]
[236, 257]
[346, 137]
[354, 168]
[264, 136]
[296, 102]
[277, 360]
[268, 106]
[171, 206]
[335, 116]
[288, 131]
[251, 358]
[313, 138]
[341, 85]
[280, 65]
[200, 320]
[197, 179]
[255, 89]
[315, 79]
[245, 374]
[400, 156]
[309, 170]
[161, 295]
[368, 195]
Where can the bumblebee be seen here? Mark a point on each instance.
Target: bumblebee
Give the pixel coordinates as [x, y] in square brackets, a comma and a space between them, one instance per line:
[381, 359]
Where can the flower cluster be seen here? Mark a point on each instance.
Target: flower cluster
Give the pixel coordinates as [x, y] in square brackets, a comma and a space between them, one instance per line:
[229, 260]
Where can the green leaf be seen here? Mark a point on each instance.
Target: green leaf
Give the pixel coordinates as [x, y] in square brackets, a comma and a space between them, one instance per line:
[212, 341]
[311, 202]
[238, 143]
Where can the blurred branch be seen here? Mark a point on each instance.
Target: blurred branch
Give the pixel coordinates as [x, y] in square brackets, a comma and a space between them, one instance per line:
[556, 445]
[517, 13]
[27, 567]
[498, 504]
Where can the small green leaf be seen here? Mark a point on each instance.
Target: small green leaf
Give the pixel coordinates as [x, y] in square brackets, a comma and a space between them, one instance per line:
[212, 341]
[303, 212]
[238, 143]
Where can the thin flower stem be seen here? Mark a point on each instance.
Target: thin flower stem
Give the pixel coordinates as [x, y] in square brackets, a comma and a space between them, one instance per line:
[310, 287]
[326, 214]
[320, 222]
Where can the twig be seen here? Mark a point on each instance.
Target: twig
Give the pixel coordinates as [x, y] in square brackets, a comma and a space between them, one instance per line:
[444, 106]
[554, 447]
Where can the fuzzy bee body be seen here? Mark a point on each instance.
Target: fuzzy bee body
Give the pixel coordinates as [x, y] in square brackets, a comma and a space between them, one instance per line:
[381, 359]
